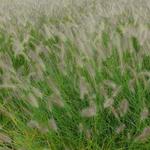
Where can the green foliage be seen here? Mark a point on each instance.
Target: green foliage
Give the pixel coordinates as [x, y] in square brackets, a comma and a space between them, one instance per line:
[41, 101]
[136, 44]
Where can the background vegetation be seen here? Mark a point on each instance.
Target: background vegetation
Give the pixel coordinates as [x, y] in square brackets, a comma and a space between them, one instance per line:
[74, 75]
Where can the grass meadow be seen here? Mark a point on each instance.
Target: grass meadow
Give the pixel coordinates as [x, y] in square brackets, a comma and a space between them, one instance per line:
[74, 75]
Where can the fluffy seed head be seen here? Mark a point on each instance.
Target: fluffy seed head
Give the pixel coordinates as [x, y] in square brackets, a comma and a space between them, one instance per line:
[37, 92]
[110, 84]
[33, 124]
[5, 138]
[91, 70]
[32, 100]
[123, 107]
[83, 88]
[81, 128]
[108, 103]
[120, 128]
[56, 100]
[89, 111]
[53, 125]
[114, 111]
[132, 85]
[144, 135]
[144, 113]
[116, 92]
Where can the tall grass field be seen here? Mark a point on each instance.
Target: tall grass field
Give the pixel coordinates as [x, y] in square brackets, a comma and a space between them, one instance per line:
[74, 74]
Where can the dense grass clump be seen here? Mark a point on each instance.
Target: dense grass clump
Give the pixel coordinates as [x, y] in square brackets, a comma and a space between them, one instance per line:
[74, 75]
